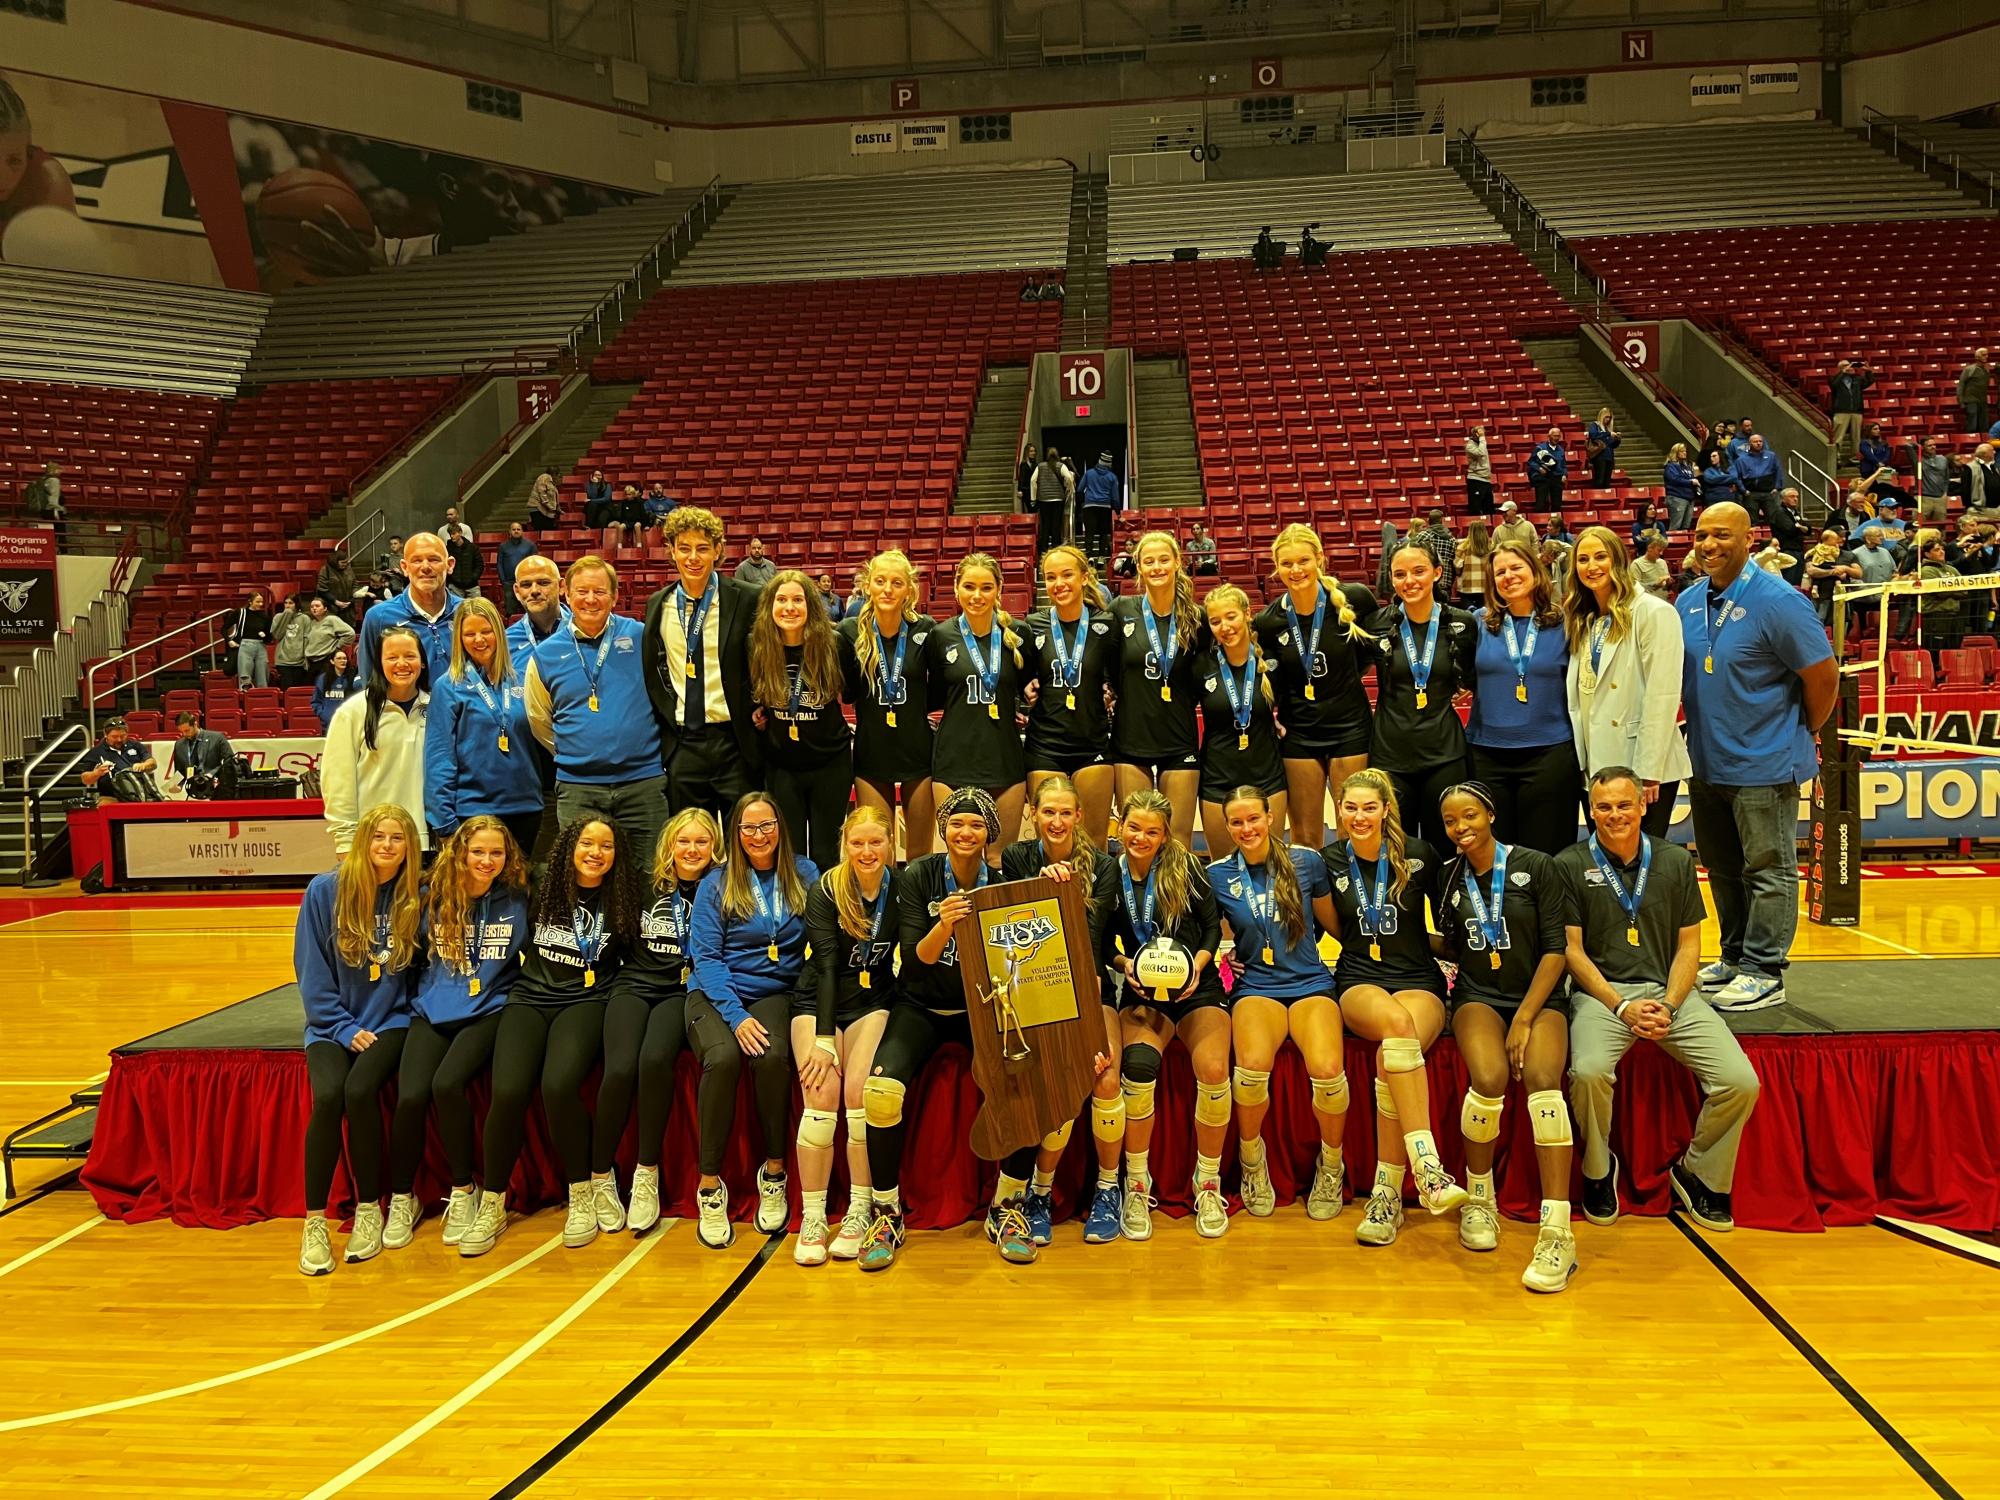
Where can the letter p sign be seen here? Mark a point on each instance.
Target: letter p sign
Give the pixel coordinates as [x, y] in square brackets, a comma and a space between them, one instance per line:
[903, 95]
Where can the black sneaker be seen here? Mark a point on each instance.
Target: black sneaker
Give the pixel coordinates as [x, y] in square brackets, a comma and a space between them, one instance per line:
[1600, 1196]
[1702, 1203]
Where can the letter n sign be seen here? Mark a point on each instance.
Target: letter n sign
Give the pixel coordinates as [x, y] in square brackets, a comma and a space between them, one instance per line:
[903, 95]
[1637, 47]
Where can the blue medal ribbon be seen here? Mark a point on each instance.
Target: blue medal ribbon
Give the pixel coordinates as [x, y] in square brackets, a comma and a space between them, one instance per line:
[890, 674]
[1242, 694]
[1522, 656]
[1307, 645]
[1492, 919]
[1712, 607]
[1628, 901]
[1139, 903]
[950, 954]
[1260, 904]
[588, 926]
[505, 709]
[875, 915]
[988, 670]
[1420, 666]
[1370, 908]
[591, 674]
[1164, 655]
[1069, 664]
[1600, 631]
[770, 906]
[693, 616]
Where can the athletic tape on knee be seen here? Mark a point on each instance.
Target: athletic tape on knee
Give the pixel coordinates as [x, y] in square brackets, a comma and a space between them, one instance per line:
[1330, 1094]
[1211, 1103]
[1058, 1138]
[857, 1122]
[816, 1128]
[1138, 1098]
[1550, 1112]
[1107, 1118]
[1402, 1054]
[1385, 1102]
[1251, 1087]
[882, 1102]
[1479, 1116]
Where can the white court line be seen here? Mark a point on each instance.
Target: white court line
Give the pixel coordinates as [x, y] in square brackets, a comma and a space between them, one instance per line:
[49, 1083]
[491, 1378]
[1886, 943]
[1941, 1236]
[60, 1240]
[126, 1403]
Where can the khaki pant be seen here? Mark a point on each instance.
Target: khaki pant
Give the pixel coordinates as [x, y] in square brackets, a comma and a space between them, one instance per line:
[1847, 433]
[1932, 507]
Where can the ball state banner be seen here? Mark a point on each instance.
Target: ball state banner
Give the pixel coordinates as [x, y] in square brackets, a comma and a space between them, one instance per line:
[28, 603]
[286, 757]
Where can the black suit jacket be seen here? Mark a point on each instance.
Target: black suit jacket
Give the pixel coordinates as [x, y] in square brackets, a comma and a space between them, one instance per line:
[736, 604]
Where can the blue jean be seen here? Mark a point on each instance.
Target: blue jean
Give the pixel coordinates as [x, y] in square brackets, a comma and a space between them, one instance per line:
[1747, 837]
[253, 665]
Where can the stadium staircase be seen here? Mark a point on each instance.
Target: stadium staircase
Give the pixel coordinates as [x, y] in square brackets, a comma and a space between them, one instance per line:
[1170, 472]
[1640, 457]
[1543, 249]
[986, 485]
[495, 512]
[1086, 274]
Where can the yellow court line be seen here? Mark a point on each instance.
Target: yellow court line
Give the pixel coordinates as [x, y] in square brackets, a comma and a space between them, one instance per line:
[60, 1240]
[444, 1412]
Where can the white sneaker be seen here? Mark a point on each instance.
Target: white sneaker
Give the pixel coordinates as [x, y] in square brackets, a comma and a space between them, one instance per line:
[712, 1224]
[1435, 1188]
[580, 1225]
[1211, 1209]
[1260, 1199]
[365, 1243]
[604, 1201]
[853, 1230]
[774, 1207]
[1383, 1219]
[1139, 1206]
[1553, 1262]
[1714, 976]
[487, 1225]
[459, 1212]
[811, 1248]
[645, 1212]
[404, 1213]
[316, 1249]
[1324, 1199]
[1749, 992]
[1478, 1229]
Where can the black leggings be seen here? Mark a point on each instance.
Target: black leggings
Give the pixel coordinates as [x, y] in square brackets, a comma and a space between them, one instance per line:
[559, 1047]
[812, 802]
[439, 1064]
[910, 1036]
[1531, 793]
[348, 1085]
[1417, 796]
[645, 1029]
[722, 1060]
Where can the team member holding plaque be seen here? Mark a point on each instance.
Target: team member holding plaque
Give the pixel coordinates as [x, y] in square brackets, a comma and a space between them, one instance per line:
[932, 895]
[837, 1021]
[1239, 739]
[796, 678]
[976, 674]
[1312, 638]
[1155, 925]
[1391, 990]
[1503, 926]
[1424, 656]
[1159, 635]
[1072, 650]
[882, 652]
[1275, 900]
[748, 943]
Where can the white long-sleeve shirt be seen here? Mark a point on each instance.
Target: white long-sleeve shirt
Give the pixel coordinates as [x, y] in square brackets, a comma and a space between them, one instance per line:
[353, 778]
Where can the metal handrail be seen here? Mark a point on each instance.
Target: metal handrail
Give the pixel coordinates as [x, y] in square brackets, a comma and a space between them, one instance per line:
[373, 518]
[31, 796]
[1722, 329]
[566, 368]
[1132, 427]
[1831, 501]
[1581, 276]
[1925, 154]
[90, 676]
[594, 319]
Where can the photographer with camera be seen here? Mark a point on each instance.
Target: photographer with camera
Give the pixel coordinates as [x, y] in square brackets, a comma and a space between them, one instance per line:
[203, 760]
[1851, 377]
[121, 769]
[1312, 252]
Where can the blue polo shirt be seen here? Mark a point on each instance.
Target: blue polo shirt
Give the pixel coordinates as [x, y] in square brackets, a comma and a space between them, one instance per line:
[401, 610]
[1745, 720]
[1500, 720]
[1296, 970]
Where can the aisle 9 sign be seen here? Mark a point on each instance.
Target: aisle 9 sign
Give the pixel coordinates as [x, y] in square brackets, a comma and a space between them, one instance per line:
[1637, 345]
[1080, 377]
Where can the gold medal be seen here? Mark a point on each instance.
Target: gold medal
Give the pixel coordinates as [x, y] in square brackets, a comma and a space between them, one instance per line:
[1375, 952]
[1166, 692]
[1520, 692]
[1242, 740]
[593, 703]
[1708, 665]
[503, 742]
[867, 980]
[1493, 958]
[772, 953]
[472, 985]
[890, 718]
[1269, 957]
[1632, 935]
[374, 971]
[795, 731]
[1423, 699]
[691, 669]
[992, 710]
[1587, 680]
[686, 974]
[590, 979]
[1310, 694]
[1069, 702]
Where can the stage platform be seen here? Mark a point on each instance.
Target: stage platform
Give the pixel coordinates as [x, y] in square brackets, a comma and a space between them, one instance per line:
[1878, 1086]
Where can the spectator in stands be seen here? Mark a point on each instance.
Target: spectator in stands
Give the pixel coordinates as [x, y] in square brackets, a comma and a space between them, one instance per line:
[659, 505]
[426, 607]
[325, 633]
[830, 596]
[451, 523]
[1554, 554]
[625, 515]
[858, 595]
[1547, 465]
[1972, 387]
[1887, 519]
[1470, 556]
[756, 569]
[203, 758]
[1024, 473]
[118, 755]
[468, 563]
[1199, 550]
[390, 578]
[1651, 570]
[544, 501]
[1874, 563]
[1828, 564]
[1514, 527]
[1436, 538]
[1933, 481]
[518, 546]
[1876, 454]
[1682, 489]
[1715, 452]
[1979, 480]
[336, 582]
[1760, 476]
[1739, 441]
[336, 683]
[1051, 491]
[1600, 445]
[1943, 612]
[1478, 472]
[45, 503]
[288, 633]
[250, 639]
[1788, 531]
[356, 609]
[1850, 379]
[1126, 564]
[1656, 518]
[1100, 494]
[1757, 682]
[538, 587]
[598, 503]
[374, 751]
[1718, 481]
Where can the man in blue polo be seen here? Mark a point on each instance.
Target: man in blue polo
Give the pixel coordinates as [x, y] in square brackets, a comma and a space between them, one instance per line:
[538, 588]
[1757, 680]
[428, 606]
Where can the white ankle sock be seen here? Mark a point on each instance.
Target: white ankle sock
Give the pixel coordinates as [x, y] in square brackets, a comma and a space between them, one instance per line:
[1042, 1182]
[1250, 1151]
[860, 1197]
[1207, 1168]
[1007, 1187]
[1556, 1211]
[815, 1204]
[1135, 1166]
[1388, 1177]
[887, 1198]
[1329, 1156]
[1107, 1177]
[1420, 1145]
[1480, 1185]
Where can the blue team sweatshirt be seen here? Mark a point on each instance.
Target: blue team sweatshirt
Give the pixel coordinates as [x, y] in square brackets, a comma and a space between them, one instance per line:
[465, 770]
[1717, 485]
[1100, 486]
[1547, 460]
[399, 610]
[621, 741]
[732, 962]
[1679, 480]
[1752, 470]
[341, 1000]
[496, 933]
[329, 693]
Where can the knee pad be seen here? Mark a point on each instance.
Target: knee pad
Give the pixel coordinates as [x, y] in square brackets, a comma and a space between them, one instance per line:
[1385, 1102]
[1058, 1138]
[1251, 1087]
[1402, 1054]
[1479, 1116]
[1550, 1113]
[882, 1102]
[1211, 1103]
[816, 1128]
[1107, 1118]
[1139, 1099]
[857, 1123]
[1139, 1063]
[1330, 1094]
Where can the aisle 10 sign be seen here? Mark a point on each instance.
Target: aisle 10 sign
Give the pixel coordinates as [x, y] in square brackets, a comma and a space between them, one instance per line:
[1080, 377]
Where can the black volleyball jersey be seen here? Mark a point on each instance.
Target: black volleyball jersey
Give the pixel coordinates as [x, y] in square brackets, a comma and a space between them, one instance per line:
[559, 967]
[1531, 922]
[1401, 945]
[1149, 726]
[846, 973]
[1069, 718]
[1233, 756]
[1339, 703]
[884, 751]
[1407, 737]
[978, 739]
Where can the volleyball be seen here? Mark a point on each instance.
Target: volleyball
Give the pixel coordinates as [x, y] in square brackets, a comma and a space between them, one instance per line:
[1163, 968]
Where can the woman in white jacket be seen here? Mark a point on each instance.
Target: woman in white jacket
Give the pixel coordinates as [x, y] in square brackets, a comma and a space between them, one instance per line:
[1624, 674]
[375, 744]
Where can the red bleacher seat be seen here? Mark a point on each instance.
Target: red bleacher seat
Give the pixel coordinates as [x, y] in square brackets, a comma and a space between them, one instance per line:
[1964, 668]
[145, 724]
[1911, 669]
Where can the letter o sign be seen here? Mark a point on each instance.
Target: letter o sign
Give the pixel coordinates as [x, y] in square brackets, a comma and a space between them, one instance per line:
[1267, 73]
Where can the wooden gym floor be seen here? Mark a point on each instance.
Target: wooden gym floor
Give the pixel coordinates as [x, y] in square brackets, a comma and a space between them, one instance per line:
[1281, 1360]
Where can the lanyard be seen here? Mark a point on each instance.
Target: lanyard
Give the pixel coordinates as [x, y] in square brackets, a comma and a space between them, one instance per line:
[1259, 902]
[770, 906]
[1492, 919]
[1630, 903]
[680, 913]
[1166, 654]
[588, 926]
[476, 945]
[691, 624]
[1600, 632]
[379, 954]
[504, 711]
[591, 674]
[1708, 613]
[950, 954]
[1308, 645]
[798, 671]
[989, 670]
[1242, 694]
[1420, 666]
[1139, 905]
[1371, 909]
[1069, 664]
[891, 672]
[1522, 656]
[866, 950]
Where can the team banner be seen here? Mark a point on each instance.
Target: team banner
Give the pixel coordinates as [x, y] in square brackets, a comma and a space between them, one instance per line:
[925, 135]
[1715, 88]
[283, 757]
[875, 139]
[1774, 78]
[28, 602]
[224, 848]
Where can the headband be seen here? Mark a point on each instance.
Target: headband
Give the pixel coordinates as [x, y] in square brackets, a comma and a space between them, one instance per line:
[1478, 791]
[971, 799]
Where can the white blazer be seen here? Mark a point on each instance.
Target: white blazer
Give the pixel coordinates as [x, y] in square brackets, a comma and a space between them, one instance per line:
[1632, 718]
[354, 779]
